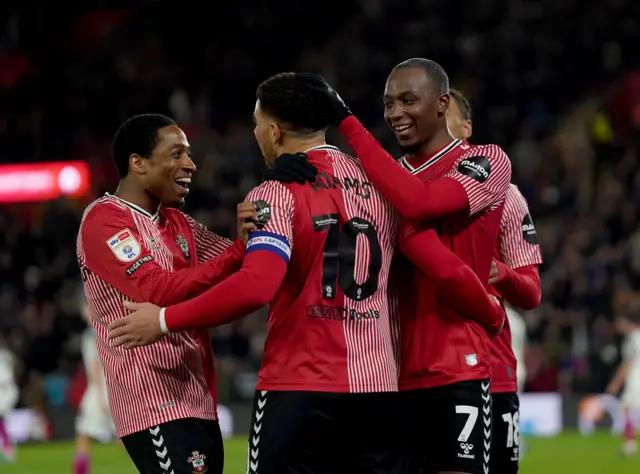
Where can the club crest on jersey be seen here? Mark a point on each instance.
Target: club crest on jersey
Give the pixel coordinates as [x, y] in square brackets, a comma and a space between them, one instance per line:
[264, 212]
[197, 461]
[184, 246]
[529, 230]
[124, 246]
[475, 167]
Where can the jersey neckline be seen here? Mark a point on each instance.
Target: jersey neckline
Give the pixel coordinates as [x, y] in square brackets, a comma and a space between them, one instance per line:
[404, 161]
[138, 209]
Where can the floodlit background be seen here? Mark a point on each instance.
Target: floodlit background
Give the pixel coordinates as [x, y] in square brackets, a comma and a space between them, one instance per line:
[556, 83]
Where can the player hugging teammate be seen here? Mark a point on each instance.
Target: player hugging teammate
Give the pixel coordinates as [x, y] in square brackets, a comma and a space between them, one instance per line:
[348, 313]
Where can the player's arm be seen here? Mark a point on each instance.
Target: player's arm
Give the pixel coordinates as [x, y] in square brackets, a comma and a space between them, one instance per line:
[478, 182]
[620, 376]
[456, 281]
[210, 245]
[256, 283]
[516, 276]
[106, 235]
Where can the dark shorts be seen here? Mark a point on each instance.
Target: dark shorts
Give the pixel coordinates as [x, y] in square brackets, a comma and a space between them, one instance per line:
[505, 445]
[184, 446]
[324, 433]
[449, 427]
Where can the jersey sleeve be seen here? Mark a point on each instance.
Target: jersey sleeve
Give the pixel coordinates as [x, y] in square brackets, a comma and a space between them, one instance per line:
[485, 173]
[110, 246]
[518, 243]
[208, 244]
[276, 208]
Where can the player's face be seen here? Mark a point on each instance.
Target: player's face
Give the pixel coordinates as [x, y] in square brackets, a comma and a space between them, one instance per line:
[458, 125]
[413, 107]
[169, 170]
[267, 133]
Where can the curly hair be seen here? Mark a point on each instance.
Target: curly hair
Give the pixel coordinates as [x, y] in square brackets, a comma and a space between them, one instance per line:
[138, 134]
[289, 100]
[462, 102]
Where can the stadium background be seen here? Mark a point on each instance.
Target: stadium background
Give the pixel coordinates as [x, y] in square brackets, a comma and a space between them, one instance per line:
[556, 83]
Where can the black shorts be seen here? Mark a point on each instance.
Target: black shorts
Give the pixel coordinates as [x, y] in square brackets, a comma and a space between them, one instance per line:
[505, 445]
[324, 433]
[184, 446]
[449, 427]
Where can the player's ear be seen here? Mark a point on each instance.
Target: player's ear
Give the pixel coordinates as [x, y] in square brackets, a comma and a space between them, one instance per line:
[468, 129]
[138, 164]
[443, 104]
[277, 134]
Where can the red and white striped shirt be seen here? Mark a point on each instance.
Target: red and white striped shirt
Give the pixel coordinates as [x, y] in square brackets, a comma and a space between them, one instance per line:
[517, 247]
[330, 327]
[127, 254]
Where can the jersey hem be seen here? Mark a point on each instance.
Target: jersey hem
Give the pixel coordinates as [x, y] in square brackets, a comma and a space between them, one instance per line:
[128, 430]
[333, 388]
[504, 387]
[430, 382]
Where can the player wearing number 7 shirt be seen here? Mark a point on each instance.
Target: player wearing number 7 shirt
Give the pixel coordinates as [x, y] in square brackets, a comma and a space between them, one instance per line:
[515, 279]
[325, 399]
[457, 189]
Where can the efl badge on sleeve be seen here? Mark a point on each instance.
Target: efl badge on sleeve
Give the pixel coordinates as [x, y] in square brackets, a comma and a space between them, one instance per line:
[184, 246]
[197, 461]
[124, 246]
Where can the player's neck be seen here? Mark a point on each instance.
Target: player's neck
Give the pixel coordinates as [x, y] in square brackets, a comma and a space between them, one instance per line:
[301, 145]
[138, 196]
[437, 142]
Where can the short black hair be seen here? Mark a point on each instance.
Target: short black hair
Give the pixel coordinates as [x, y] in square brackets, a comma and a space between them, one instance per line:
[463, 103]
[288, 98]
[436, 73]
[138, 134]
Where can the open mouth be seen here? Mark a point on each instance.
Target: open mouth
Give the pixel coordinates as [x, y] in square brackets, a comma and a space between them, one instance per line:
[183, 183]
[403, 130]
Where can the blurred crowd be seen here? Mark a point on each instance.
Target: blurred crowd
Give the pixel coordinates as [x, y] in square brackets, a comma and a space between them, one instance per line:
[551, 81]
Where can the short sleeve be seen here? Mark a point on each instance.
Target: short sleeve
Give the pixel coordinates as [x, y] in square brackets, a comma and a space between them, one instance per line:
[276, 208]
[518, 243]
[485, 173]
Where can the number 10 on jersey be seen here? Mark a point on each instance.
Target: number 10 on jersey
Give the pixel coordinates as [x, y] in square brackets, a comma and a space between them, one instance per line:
[340, 258]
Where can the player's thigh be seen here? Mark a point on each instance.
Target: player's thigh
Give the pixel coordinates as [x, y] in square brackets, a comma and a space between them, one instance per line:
[294, 432]
[461, 432]
[374, 427]
[505, 439]
[180, 446]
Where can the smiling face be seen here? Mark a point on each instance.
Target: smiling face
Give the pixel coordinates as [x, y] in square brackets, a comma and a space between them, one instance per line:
[168, 170]
[413, 107]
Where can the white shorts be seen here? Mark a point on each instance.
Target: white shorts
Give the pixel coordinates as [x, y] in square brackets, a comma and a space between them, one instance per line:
[94, 420]
[8, 398]
[630, 396]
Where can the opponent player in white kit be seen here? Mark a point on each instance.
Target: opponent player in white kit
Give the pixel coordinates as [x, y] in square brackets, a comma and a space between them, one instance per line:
[94, 418]
[628, 374]
[8, 400]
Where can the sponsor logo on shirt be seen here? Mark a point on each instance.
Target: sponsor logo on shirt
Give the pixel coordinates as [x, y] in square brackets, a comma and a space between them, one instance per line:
[340, 314]
[124, 246]
[138, 263]
[476, 167]
[529, 230]
[264, 212]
